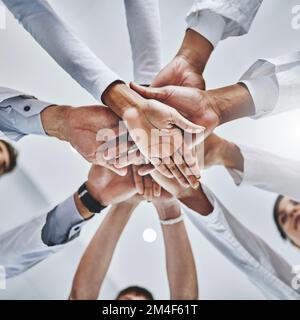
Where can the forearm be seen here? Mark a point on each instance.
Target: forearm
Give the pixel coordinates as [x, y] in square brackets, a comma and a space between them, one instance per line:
[119, 97]
[40, 20]
[95, 262]
[143, 21]
[196, 50]
[180, 262]
[232, 102]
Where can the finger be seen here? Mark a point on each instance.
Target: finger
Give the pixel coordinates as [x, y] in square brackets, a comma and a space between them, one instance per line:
[161, 168]
[156, 189]
[153, 93]
[146, 169]
[185, 124]
[177, 173]
[191, 160]
[138, 181]
[148, 191]
[125, 160]
[99, 161]
[185, 170]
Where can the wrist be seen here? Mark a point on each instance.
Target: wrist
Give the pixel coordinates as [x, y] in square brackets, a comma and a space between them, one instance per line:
[232, 102]
[196, 50]
[55, 121]
[119, 97]
[167, 211]
[196, 200]
[83, 211]
[232, 157]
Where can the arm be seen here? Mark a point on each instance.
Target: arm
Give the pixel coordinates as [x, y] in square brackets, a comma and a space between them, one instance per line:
[252, 166]
[143, 21]
[231, 19]
[22, 114]
[248, 252]
[40, 20]
[95, 262]
[181, 267]
[268, 87]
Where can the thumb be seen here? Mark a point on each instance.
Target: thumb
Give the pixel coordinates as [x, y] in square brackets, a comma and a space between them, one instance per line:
[185, 124]
[160, 94]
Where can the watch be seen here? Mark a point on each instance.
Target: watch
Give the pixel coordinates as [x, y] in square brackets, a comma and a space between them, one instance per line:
[88, 201]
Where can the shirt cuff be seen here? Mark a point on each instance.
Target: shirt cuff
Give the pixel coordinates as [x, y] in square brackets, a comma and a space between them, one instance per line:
[207, 23]
[63, 223]
[265, 94]
[25, 115]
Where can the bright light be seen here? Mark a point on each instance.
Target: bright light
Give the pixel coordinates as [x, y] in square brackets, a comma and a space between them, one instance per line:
[149, 235]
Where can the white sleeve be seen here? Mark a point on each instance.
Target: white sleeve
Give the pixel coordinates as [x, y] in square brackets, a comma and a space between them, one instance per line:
[269, 172]
[40, 20]
[30, 243]
[219, 19]
[274, 84]
[249, 253]
[143, 21]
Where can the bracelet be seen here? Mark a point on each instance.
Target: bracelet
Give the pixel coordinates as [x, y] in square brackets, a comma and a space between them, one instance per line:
[172, 221]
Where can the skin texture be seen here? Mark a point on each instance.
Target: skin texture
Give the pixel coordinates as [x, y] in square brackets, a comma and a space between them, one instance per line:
[4, 158]
[209, 109]
[289, 219]
[80, 127]
[144, 117]
[94, 264]
[187, 66]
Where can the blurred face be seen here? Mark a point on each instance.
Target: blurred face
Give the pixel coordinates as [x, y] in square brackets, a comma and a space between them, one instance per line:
[4, 158]
[289, 219]
[131, 296]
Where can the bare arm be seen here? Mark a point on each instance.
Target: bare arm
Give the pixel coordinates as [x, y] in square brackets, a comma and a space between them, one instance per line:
[181, 268]
[97, 257]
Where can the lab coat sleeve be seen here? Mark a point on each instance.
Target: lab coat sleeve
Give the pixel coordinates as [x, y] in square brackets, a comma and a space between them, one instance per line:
[219, 19]
[32, 242]
[20, 114]
[143, 21]
[40, 20]
[269, 172]
[274, 84]
[249, 253]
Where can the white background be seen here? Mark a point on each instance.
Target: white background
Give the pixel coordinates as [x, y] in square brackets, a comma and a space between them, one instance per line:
[49, 171]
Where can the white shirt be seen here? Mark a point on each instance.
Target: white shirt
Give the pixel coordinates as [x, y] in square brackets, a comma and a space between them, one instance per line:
[41, 21]
[30, 243]
[269, 172]
[219, 19]
[262, 265]
[274, 84]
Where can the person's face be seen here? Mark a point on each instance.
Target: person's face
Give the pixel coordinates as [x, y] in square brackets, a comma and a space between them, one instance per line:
[289, 219]
[131, 296]
[4, 158]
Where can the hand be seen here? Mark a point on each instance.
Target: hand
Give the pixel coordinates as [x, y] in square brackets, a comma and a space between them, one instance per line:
[188, 65]
[109, 188]
[206, 108]
[218, 151]
[151, 120]
[197, 105]
[146, 187]
[79, 126]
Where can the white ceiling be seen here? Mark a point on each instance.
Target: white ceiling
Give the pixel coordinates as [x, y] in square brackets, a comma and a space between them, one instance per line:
[51, 171]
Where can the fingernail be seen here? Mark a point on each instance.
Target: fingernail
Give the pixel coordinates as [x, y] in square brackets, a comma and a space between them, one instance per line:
[196, 185]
